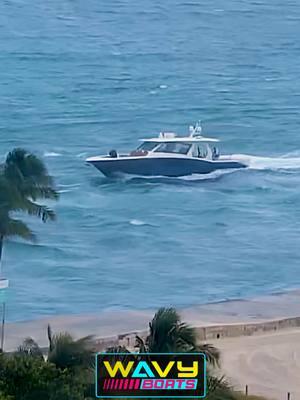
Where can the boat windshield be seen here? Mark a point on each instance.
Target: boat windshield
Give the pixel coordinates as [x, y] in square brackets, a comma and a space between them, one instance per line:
[173, 147]
[147, 146]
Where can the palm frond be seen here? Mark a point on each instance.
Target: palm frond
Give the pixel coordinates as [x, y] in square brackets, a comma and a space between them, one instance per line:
[162, 337]
[62, 351]
[69, 353]
[29, 174]
[21, 165]
[43, 212]
[218, 388]
[10, 198]
[213, 355]
[166, 317]
[86, 342]
[23, 180]
[34, 191]
[168, 333]
[186, 337]
[15, 227]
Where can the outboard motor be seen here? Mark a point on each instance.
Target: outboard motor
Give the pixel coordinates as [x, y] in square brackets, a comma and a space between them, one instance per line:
[113, 154]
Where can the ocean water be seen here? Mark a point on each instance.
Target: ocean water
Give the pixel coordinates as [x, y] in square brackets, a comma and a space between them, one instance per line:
[81, 77]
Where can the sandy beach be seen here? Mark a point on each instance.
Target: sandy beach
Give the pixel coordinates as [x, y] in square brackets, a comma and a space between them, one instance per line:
[259, 338]
[269, 364]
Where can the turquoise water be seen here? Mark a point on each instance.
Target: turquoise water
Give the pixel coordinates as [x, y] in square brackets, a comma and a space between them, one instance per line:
[81, 77]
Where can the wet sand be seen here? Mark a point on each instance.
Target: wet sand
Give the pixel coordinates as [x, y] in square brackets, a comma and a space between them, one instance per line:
[110, 323]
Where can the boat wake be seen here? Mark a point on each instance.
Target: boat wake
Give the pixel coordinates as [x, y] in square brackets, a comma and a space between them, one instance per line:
[289, 161]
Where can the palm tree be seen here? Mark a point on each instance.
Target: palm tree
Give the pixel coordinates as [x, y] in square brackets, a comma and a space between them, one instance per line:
[66, 352]
[11, 201]
[219, 389]
[24, 179]
[63, 351]
[168, 334]
[76, 355]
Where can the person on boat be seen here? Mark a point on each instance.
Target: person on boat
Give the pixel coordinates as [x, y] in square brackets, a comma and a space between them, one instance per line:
[113, 154]
[215, 153]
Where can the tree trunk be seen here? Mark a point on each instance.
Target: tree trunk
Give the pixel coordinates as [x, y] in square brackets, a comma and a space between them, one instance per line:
[1, 247]
[3, 304]
[2, 327]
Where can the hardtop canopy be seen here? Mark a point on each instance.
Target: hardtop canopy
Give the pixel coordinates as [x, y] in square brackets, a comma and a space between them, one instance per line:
[187, 139]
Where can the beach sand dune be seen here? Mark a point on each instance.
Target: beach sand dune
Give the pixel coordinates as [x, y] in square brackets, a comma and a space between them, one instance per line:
[269, 364]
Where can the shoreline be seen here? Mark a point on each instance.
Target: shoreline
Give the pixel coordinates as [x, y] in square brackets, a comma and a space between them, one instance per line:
[262, 355]
[226, 318]
[203, 306]
[259, 339]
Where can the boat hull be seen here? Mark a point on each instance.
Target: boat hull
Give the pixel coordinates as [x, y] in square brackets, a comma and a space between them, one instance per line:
[171, 167]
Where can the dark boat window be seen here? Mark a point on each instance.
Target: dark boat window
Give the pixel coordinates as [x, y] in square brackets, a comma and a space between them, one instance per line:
[173, 147]
[147, 146]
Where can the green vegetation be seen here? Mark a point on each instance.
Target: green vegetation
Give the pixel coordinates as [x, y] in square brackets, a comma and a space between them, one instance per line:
[64, 351]
[24, 180]
[169, 334]
[28, 378]
[65, 371]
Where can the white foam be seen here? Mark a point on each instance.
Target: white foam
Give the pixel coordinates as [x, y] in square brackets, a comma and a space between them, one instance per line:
[51, 154]
[82, 155]
[193, 177]
[212, 175]
[71, 185]
[137, 222]
[65, 191]
[271, 163]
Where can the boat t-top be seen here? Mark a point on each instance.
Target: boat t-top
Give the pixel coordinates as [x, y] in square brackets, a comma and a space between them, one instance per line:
[168, 155]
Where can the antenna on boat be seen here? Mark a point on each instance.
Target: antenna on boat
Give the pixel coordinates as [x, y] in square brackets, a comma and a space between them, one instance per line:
[196, 130]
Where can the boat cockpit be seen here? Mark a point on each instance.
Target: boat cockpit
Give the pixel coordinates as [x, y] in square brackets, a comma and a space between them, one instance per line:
[168, 144]
[195, 150]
